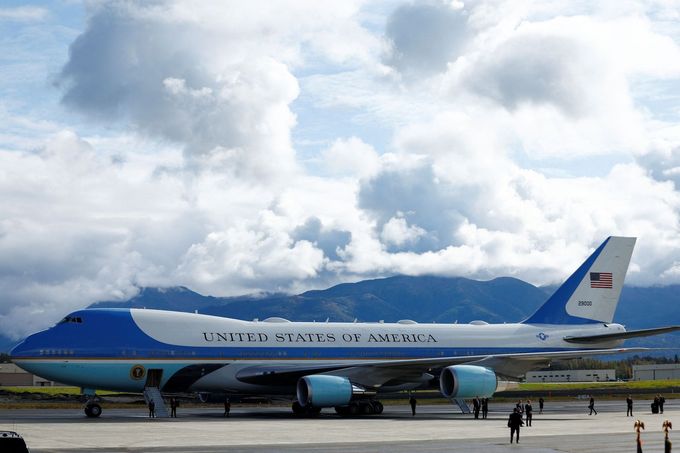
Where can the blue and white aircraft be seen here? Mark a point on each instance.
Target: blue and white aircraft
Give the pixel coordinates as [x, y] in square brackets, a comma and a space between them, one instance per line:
[341, 365]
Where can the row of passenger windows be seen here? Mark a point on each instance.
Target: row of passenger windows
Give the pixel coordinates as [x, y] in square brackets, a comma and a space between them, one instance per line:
[57, 352]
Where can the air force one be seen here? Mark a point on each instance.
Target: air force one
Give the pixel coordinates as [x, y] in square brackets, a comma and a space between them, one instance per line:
[342, 365]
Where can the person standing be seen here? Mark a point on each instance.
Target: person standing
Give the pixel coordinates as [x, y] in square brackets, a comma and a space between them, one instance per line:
[412, 401]
[485, 407]
[629, 405]
[661, 401]
[591, 406]
[528, 411]
[227, 407]
[519, 406]
[152, 409]
[540, 405]
[173, 407]
[476, 406]
[514, 422]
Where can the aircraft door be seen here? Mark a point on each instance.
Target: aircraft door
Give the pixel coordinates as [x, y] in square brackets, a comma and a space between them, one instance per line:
[153, 378]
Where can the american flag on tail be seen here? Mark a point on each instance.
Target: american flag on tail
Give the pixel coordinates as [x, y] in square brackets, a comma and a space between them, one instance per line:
[600, 279]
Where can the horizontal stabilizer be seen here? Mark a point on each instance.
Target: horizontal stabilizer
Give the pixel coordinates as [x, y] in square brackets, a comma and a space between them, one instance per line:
[621, 335]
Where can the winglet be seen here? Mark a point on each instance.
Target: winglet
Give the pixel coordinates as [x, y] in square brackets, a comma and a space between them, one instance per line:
[591, 293]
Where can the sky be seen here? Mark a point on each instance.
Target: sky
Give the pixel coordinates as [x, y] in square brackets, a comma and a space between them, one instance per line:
[260, 146]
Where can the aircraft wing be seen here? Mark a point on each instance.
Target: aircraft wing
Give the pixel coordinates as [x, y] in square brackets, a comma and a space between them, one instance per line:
[374, 374]
[621, 335]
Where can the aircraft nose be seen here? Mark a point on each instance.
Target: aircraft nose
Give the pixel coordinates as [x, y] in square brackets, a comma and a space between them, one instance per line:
[30, 347]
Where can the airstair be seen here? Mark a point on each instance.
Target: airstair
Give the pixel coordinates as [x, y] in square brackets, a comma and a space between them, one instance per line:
[154, 394]
[464, 408]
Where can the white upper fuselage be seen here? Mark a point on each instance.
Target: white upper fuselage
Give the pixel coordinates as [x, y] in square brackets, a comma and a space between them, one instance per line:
[195, 330]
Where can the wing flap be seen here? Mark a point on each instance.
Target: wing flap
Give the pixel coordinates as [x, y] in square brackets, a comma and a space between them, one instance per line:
[620, 335]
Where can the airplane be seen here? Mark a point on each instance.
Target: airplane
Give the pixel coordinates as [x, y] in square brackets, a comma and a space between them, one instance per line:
[346, 366]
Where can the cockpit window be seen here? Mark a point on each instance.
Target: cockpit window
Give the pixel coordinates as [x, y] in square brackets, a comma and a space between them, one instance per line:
[73, 319]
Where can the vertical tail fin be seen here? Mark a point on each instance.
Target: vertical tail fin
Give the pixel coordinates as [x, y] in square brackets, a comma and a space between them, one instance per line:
[592, 292]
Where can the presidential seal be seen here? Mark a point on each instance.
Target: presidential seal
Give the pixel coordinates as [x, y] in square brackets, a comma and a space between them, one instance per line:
[137, 372]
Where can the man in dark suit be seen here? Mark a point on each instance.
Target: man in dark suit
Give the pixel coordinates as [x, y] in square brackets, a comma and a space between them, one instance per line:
[529, 412]
[591, 406]
[412, 401]
[629, 405]
[514, 422]
[476, 405]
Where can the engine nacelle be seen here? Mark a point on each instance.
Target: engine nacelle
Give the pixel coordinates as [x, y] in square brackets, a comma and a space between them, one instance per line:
[467, 381]
[324, 391]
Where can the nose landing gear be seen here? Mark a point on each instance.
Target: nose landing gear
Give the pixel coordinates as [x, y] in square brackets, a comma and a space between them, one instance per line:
[92, 407]
[93, 410]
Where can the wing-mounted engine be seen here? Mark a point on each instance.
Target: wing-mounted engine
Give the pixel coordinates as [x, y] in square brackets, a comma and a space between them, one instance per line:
[327, 391]
[467, 381]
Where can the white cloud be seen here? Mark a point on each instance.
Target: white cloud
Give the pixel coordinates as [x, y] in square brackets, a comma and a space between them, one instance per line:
[398, 232]
[351, 157]
[413, 29]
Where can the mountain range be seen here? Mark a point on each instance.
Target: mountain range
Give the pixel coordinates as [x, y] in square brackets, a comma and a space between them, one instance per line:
[422, 299]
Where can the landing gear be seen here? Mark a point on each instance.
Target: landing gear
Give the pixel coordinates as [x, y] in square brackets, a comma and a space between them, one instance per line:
[305, 411]
[92, 407]
[360, 408]
[93, 410]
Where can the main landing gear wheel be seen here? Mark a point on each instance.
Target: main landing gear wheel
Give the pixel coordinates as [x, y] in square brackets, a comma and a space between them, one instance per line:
[93, 410]
[305, 411]
[360, 408]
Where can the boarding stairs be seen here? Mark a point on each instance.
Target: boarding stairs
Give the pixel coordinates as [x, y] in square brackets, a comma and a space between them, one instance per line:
[464, 408]
[154, 393]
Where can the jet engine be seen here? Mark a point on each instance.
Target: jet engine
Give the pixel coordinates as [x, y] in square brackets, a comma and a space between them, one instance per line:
[324, 391]
[467, 381]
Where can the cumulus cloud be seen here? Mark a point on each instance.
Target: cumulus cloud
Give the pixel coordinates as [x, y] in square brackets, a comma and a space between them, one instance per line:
[398, 232]
[351, 157]
[425, 36]
[330, 241]
[131, 65]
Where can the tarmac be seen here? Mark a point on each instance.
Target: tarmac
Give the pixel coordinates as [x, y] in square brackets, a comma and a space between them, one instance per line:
[563, 427]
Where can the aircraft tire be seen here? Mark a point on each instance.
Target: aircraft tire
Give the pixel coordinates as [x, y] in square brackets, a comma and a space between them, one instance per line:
[312, 411]
[93, 410]
[377, 407]
[298, 409]
[367, 408]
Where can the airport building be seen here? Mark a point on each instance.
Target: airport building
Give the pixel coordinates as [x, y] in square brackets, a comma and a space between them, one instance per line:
[13, 376]
[571, 376]
[656, 372]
